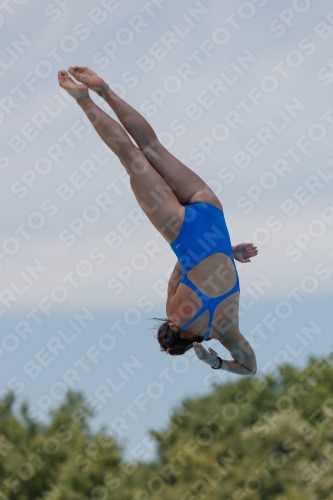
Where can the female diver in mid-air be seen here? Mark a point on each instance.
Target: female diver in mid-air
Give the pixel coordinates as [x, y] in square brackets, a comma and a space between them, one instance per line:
[203, 290]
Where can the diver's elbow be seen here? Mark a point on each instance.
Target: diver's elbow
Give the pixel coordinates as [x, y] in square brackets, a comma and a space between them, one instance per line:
[252, 371]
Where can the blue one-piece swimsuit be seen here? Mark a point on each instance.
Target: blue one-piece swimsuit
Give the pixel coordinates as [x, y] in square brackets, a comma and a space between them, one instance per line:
[203, 233]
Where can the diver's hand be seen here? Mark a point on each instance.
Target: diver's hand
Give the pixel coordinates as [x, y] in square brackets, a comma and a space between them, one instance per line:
[209, 357]
[244, 251]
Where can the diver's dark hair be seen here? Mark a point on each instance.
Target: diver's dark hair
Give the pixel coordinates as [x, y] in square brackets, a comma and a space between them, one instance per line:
[171, 341]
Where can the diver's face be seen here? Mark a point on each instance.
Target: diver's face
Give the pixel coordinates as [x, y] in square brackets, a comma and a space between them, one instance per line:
[182, 334]
[173, 327]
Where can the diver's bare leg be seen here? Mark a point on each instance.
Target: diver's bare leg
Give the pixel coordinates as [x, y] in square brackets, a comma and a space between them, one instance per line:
[185, 183]
[153, 194]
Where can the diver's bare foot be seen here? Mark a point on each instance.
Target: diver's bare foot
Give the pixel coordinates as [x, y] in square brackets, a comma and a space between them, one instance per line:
[89, 78]
[76, 90]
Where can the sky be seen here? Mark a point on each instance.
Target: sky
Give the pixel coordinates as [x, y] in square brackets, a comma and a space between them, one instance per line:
[238, 91]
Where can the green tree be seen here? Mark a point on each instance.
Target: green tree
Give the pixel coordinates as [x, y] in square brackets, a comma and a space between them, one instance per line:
[61, 460]
[260, 438]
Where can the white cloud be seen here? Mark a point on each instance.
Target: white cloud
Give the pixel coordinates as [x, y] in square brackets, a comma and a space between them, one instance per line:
[133, 263]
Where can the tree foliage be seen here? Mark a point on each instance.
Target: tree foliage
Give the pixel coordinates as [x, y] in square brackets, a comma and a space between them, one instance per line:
[268, 438]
